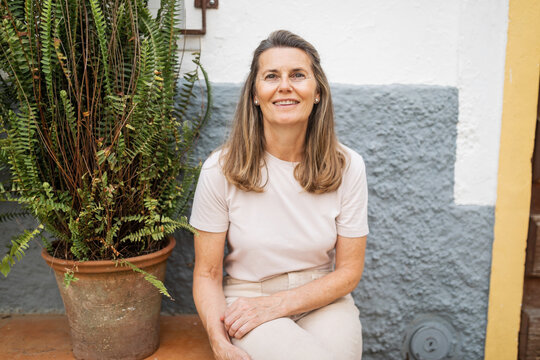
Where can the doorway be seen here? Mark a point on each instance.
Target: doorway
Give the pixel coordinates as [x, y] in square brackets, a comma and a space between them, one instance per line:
[529, 333]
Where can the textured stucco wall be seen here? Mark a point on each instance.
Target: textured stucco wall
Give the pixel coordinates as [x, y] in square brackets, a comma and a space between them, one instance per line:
[425, 254]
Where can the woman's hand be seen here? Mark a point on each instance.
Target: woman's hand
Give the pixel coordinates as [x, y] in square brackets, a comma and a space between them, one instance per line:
[246, 313]
[227, 351]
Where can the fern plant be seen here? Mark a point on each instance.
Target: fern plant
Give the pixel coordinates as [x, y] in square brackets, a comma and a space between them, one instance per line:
[93, 125]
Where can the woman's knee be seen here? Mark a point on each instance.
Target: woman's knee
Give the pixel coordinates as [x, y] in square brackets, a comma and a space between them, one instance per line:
[282, 339]
[337, 327]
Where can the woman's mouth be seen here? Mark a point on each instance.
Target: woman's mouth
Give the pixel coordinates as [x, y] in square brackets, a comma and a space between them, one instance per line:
[286, 102]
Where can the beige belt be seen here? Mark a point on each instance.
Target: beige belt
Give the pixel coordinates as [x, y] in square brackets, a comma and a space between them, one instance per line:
[281, 282]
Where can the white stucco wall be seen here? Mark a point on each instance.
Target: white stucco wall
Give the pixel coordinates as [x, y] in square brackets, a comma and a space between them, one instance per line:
[457, 43]
[360, 42]
[480, 61]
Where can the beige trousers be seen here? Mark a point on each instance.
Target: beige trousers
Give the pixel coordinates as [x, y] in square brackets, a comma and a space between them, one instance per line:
[333, 332]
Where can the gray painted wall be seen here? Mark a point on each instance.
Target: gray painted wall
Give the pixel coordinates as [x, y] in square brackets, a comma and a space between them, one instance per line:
[424, 254]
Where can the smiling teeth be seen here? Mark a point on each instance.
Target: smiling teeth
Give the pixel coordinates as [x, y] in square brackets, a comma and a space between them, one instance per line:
[286, 102]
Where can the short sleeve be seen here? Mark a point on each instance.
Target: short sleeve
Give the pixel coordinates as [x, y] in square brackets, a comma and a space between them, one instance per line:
[210, 211]
[352, 219]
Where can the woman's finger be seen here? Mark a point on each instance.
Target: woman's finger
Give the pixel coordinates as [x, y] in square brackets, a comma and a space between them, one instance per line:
[231, 318]
[238, 308]
[235, 326]
[244, 329]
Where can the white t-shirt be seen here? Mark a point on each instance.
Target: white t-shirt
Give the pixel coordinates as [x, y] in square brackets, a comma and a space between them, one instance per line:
[284, 228]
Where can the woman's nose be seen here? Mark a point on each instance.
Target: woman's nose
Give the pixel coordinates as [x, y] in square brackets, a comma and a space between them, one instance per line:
[284, 83]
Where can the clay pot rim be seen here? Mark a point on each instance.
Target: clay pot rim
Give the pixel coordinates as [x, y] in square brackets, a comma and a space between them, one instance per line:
[104, 266]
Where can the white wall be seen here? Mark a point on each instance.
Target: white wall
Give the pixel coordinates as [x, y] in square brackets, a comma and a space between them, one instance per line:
[458, 43]
[360, 42]
[480, 62]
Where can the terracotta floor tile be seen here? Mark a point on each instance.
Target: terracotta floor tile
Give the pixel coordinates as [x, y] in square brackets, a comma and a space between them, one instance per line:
[47, 337]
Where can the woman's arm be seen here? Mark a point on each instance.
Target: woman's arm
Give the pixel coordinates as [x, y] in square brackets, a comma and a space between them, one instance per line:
[247, 313]
[208, 293]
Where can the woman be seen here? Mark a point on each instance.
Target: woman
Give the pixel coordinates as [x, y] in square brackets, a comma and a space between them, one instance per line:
[292, 203]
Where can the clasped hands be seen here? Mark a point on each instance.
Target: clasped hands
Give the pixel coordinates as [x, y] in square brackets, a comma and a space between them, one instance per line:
[246, 313]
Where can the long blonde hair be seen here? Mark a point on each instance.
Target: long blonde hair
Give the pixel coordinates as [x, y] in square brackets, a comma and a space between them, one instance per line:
[321, 167]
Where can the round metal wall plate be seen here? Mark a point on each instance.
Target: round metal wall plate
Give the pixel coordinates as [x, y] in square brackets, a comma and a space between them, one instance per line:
[430, 337]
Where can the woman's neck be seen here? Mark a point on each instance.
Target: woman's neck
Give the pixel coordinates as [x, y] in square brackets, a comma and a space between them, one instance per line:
[285, 143]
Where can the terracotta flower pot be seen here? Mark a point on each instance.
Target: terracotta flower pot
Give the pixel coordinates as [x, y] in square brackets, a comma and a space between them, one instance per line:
[113, 312]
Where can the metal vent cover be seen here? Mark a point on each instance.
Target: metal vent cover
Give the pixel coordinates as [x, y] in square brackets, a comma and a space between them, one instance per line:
[430, 337]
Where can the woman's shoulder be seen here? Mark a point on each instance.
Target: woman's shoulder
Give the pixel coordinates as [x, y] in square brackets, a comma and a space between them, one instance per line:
[354, 161]
[213, 162]
[212, 168]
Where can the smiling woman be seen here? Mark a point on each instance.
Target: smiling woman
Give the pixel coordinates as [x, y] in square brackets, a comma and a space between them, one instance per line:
[291, 202]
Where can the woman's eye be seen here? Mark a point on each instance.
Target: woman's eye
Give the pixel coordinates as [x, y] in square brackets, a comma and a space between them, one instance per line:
[298, 76]
[270, 77]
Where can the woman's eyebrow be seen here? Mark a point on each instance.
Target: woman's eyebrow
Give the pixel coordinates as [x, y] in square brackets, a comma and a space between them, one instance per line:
[277, 71]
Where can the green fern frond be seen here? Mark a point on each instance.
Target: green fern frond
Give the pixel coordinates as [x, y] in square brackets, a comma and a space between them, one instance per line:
[69, 277]
[16, 9]
[169, 29]
[47, 46]
[18, 245]
[209, 97]
[46, 243]
[141, 235]
[101, 27]
[30, 14]
[152, 279]
[187, 190]
[13, 215]
[70, 114]
[14, 60]
[79, 248]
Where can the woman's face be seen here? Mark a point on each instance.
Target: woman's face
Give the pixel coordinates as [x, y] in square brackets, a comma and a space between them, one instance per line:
[285, 87]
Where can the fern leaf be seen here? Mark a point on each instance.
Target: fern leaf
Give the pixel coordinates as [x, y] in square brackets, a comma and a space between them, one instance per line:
[209, 98]
[18, 245]
[70, 114]
[47, 46]
[13, 215]
[101, 27]
[69, 277]
[152, 279]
